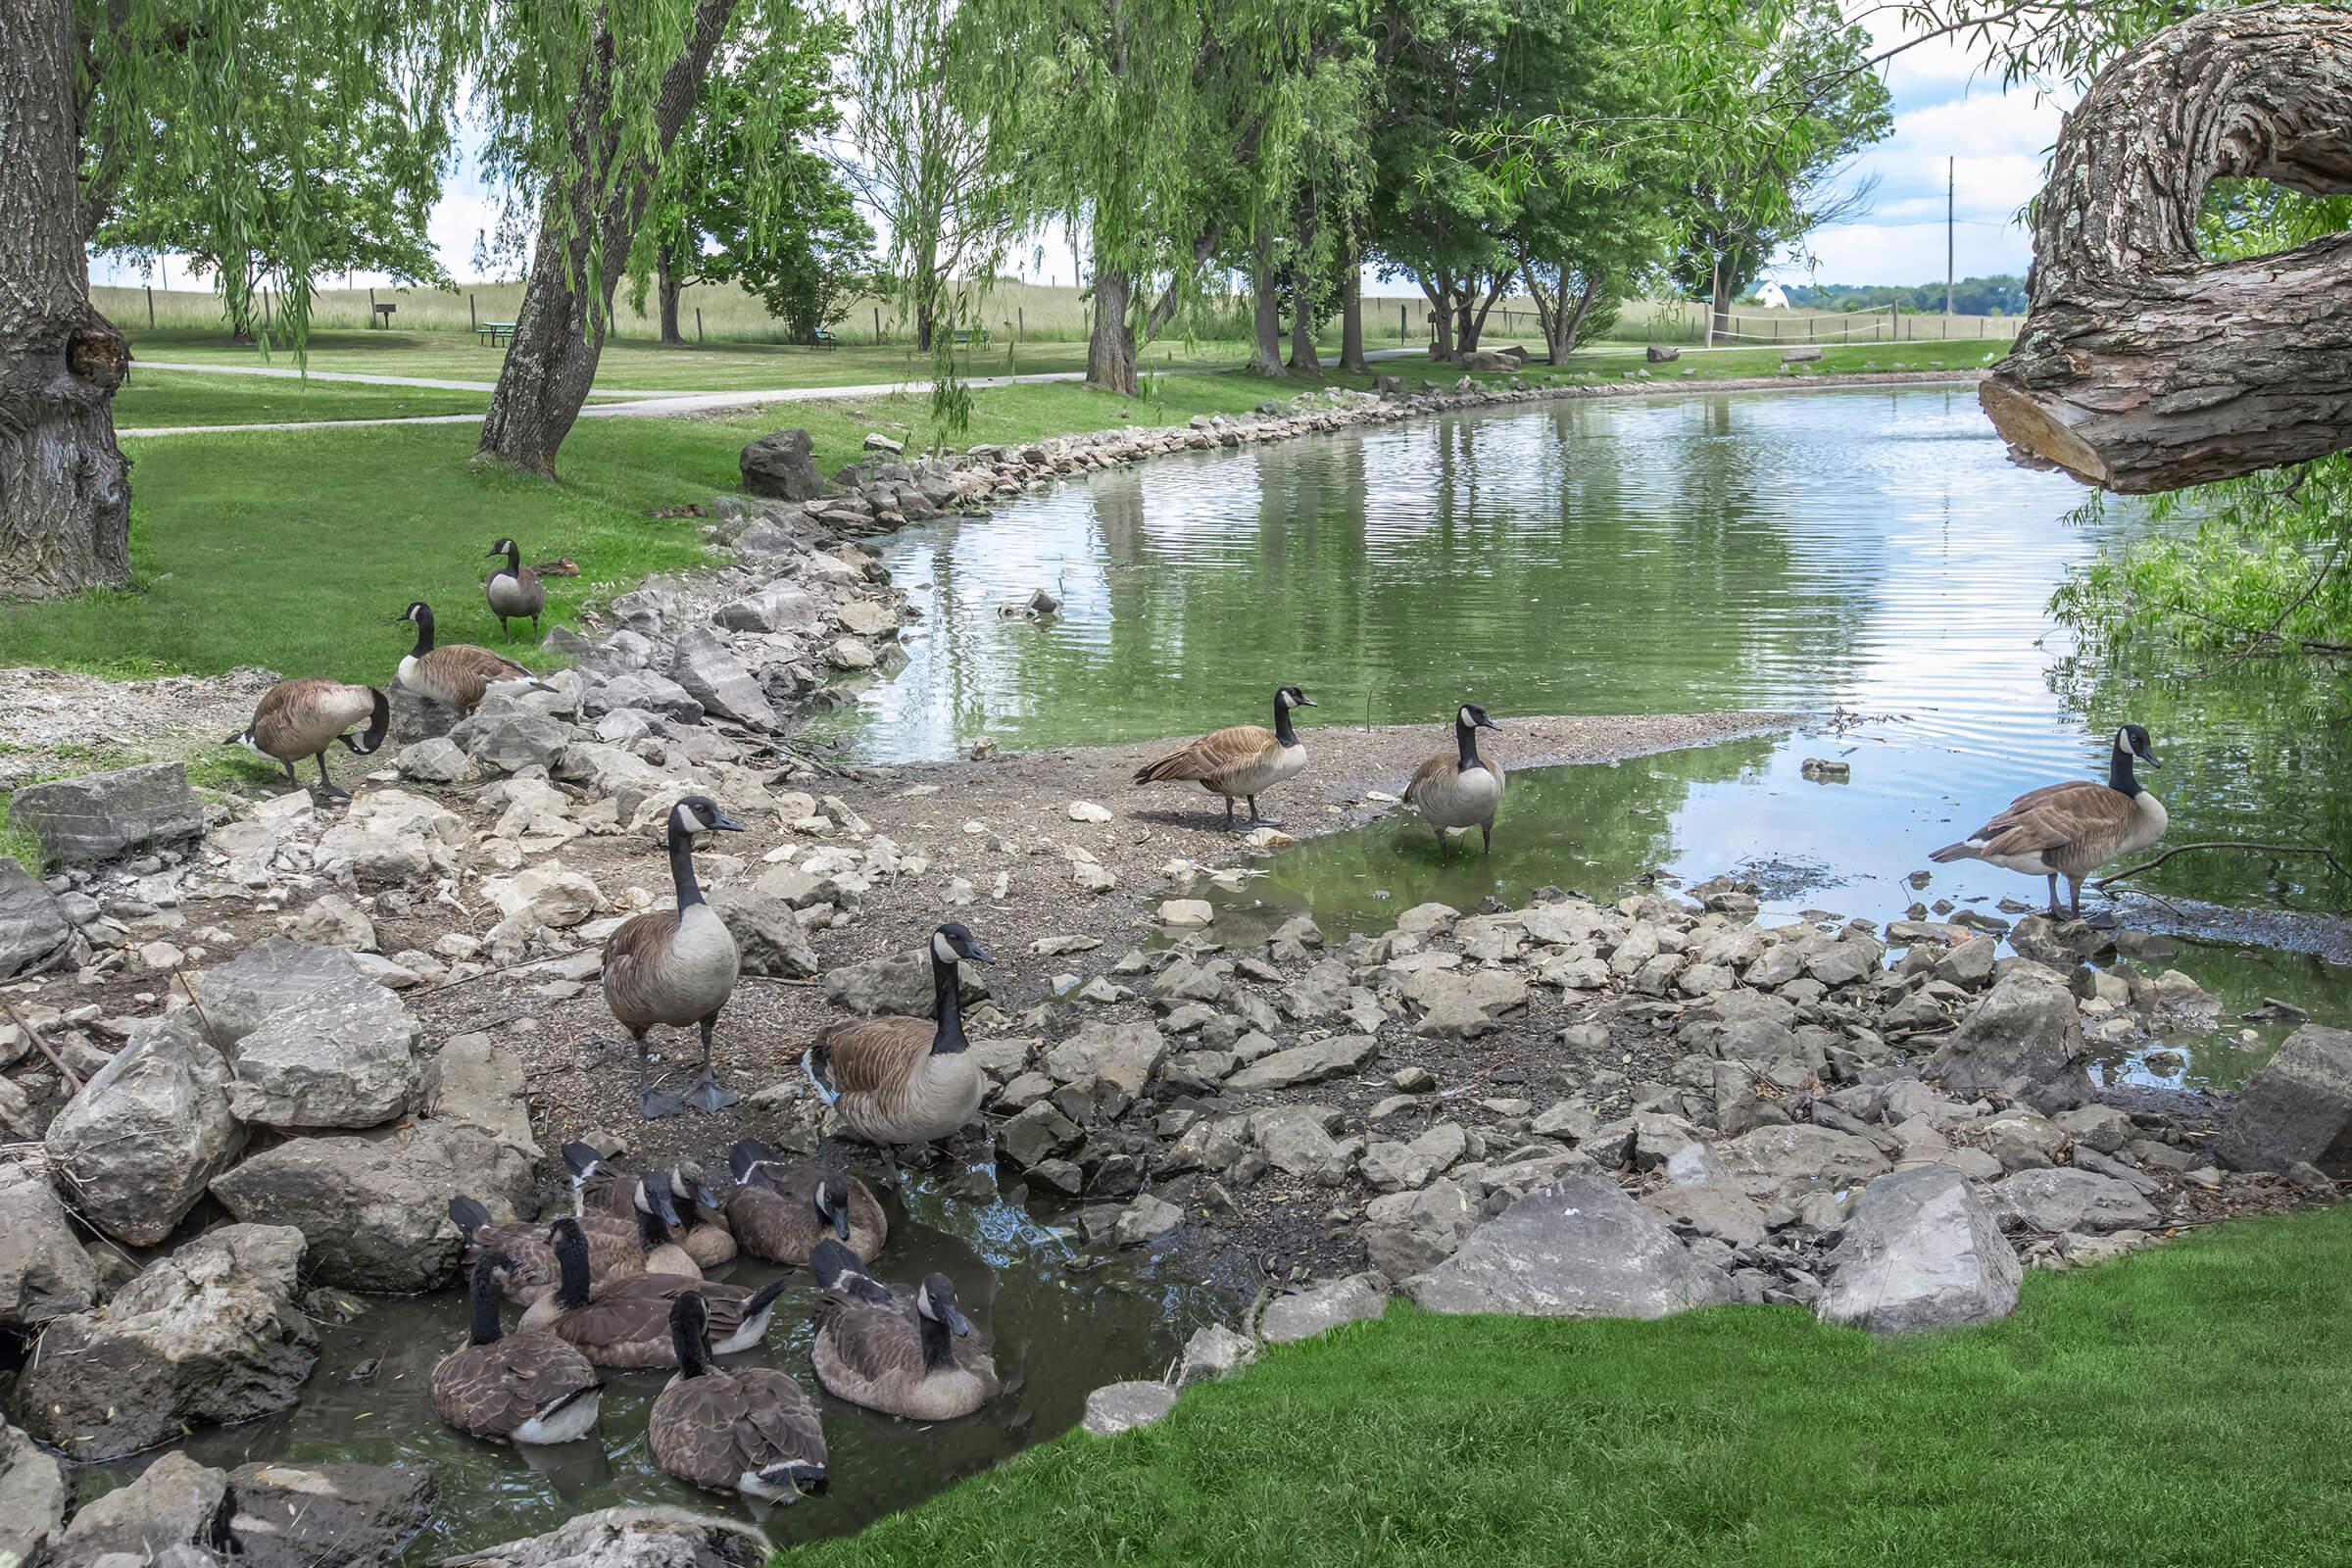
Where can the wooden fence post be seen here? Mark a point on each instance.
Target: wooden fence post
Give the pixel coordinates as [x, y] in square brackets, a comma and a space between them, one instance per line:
[151, 307]
[877, 325]
[473, 319]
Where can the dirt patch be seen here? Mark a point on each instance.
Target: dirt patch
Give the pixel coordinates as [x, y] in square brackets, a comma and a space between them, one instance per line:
[55, 722]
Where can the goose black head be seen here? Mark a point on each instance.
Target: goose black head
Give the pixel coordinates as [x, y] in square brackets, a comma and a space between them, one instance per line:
[835, 1267]
[1472, 717]
[1291, 697]
[951, 941]
[2133, 739]
[699, 814]
[417, 612]
[832, 1200]
[505, 547]
[652, 1197]
[935, 1299]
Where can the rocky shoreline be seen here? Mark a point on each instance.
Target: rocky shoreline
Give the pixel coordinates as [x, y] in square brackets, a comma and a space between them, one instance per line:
[254, 1046]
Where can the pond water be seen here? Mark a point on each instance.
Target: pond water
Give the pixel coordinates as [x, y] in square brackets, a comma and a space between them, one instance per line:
[1058, 1334]
[1866, 560]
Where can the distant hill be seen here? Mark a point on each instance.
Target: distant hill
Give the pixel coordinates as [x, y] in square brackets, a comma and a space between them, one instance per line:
[1972, 296]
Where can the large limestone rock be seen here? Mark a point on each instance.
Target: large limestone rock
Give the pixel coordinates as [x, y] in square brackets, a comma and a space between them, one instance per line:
[211, 1333]
[2297, 1107]
[718, 680]
[270, 975]
[1289, 1319]
[326, 1515]
[1122, 1056]
[1787, 1161]
[770, 938]
[1921, 1250]
[101, 816]
[1293, 1139]
[33, 925]
[1407, 1233]
[2024, 1040]
[2050, 1201]
[781, 465]
[44, 1272]
[479, 1084]
[508, 737]
[629, 1538]
[897, 983]
[136, 1147]
[343, 1055]
[1118, 1407]
[1580, 1248]
[372, 1206]
[175, 1504]
[391, 837]
[33, 1497]
[1312, 1063]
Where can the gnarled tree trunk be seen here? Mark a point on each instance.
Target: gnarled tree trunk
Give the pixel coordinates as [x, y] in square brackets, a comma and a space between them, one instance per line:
[668, 288]
[1110, 351]
[65, 492]
[1266, 316]
[558, 338]
[1303, 357]
[2140, 367]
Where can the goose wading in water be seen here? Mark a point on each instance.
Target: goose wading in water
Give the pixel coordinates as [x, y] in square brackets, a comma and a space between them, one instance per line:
[514, 589]
[455, 675]
[625, 1321]
[1460, 788]
[299, 718]
[675, 966]
[513, 1388]
[750, 1430]
[1240, 763]
[899, 1080]
[599, 1187]
[2069, 830]
[914, 1357]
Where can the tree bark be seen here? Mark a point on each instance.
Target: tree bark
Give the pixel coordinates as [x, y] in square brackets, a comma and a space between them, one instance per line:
[1440, 313]
[1303, 358]
[2140, 367]
[1110, 351]
[1266, 316]
[1352, 320]
[667, 286]
[64, 490]
[557, 337]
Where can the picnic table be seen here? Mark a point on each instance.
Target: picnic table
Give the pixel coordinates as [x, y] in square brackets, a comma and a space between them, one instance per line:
[495, 333]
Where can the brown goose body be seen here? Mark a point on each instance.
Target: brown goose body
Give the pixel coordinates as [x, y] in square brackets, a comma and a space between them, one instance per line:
[775, 1214]
[601, 1188]
[749, 1430]
[877, 1346]
[897, 1080]
[513, 590]
[1460, 788]
[2072, 829]
[297, 719]
[616, 1247]
[1239, 763]
[513, 1388]
[455, 675]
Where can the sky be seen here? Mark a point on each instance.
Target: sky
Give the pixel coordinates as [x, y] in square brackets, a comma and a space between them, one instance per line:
[1947, 107]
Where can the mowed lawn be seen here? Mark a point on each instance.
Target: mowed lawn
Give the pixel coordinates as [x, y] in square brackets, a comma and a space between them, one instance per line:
[156, 398]
[2183, 1407]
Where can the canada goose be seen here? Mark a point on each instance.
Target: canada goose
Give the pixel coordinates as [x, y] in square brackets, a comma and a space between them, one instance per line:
[456, 675]
[675, 966]
[1243, 761]
[599, 1187]
[751, 1430]
[1460, 788]
[299, 718]
[780, 1211]
[2072, 829]
[639, 1244]
[514, 589]
[915, 1358]
[905, 1080]
[625, 1321]
[519, 1388]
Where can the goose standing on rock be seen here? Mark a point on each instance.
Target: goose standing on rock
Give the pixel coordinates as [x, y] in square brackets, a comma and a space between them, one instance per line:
[916, 1359]
[299, 718]
[1460, 788]
[514, 589]
[780, 1211]
[899, 1080]
[751, 1430]
[1241, 762]
[677, 966]
[514, 1388]
[2069, 830]
[455, 675]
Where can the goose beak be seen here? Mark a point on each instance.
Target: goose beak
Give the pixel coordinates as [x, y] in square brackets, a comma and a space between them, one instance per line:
[1488, 723]
[958, 1321]
[726, 824]
[494, 552]
[663, 1210]
[233, 740]
[397, 620]
[841, 1222]
[1306, 702]
[979, 954]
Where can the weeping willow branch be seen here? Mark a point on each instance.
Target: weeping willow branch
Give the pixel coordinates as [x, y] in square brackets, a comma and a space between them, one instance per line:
[2326, 855]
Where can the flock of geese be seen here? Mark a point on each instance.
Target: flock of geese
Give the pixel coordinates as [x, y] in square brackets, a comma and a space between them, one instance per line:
[619, 1284]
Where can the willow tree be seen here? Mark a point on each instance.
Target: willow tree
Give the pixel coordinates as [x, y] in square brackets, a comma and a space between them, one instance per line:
[1111, 103]
[78, 88]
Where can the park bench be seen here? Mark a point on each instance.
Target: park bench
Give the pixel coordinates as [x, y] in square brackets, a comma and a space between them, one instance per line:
[495, 333]
[966, 336]
[823, 338]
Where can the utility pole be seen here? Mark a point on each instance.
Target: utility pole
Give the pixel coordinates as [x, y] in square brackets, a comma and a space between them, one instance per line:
[1950, 184]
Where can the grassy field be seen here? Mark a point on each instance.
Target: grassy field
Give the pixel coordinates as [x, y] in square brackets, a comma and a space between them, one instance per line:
[155, 398]
[2183, 1407]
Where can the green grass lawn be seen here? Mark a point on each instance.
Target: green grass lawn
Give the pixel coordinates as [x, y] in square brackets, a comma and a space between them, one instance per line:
[2183, 1406]
[156, 398]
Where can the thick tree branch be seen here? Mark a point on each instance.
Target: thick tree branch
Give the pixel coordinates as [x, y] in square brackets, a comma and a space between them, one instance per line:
[2224, 844]
[2140, 367]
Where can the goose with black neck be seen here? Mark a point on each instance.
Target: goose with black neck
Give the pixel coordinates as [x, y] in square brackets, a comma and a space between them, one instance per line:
[677, 966]
[2072, 829]
[899, 1080]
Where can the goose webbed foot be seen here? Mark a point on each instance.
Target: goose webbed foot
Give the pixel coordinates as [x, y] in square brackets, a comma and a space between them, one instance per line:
[327, 786]
[708, 1096]
[1256, 820]
[653, 1104]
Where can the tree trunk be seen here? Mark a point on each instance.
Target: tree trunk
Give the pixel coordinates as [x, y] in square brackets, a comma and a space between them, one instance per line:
[1467, 320]
[2140, 366]
[667, 284]
[1265, 317]
[1352, 320]
[1303, 358]
[1719, 301]
[557, 337]
[1441, 315]
[64, 491]
[1110, 351]
[1478, 323]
